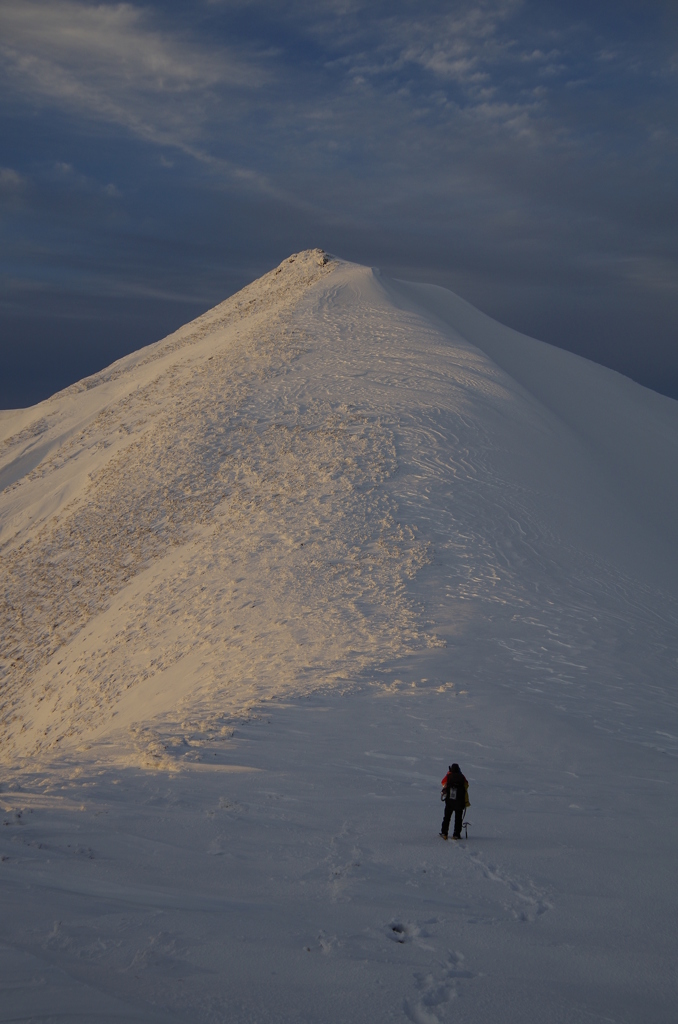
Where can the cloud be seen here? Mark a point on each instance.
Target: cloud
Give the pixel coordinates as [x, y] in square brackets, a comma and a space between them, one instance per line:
[461, 47]
[650, 272]
[12, 190]
[111, 63]
[10, 181]
[66, 175]
[457, 44]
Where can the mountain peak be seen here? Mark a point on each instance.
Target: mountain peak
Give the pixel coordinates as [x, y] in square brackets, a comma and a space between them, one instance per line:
[318, 483]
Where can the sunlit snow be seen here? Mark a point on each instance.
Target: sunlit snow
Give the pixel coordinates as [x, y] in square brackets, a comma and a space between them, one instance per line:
[261, 583]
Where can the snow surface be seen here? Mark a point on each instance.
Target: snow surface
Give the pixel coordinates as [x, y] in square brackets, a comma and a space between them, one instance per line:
[262, 582]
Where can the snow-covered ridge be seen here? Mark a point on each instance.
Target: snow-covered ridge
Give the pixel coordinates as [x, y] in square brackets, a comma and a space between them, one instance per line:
[630, 431]
[327, 480]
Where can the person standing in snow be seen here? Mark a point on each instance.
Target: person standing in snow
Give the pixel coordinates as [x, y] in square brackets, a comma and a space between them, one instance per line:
[455, 795]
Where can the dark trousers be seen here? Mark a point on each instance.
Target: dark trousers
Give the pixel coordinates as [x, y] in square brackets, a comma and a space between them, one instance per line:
[458, 815]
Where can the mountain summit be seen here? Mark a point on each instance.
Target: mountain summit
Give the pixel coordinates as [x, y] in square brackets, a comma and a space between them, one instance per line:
[331, 479]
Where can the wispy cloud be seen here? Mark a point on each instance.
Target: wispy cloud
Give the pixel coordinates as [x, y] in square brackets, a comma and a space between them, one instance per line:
[113, 63]
[10, 180]
[463, 46]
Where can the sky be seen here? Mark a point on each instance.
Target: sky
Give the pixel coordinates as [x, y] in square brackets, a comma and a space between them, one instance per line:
[155, 158]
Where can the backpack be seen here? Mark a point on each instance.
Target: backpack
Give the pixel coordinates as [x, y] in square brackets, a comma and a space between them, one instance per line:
[450, 793]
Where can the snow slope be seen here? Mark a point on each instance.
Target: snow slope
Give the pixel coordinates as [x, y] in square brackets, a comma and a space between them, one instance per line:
[262, 581]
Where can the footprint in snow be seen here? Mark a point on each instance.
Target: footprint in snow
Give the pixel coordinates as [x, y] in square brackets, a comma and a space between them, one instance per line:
[437, 989]
[530, 903]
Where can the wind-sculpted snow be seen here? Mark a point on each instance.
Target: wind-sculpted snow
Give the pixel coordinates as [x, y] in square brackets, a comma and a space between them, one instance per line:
[261, 583]
[241, 520]
[255, 498]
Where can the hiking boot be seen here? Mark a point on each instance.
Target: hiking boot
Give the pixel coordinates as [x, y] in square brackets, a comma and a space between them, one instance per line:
[442, 835]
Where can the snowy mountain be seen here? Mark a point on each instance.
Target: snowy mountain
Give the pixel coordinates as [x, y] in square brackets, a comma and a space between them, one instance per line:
[329, 536]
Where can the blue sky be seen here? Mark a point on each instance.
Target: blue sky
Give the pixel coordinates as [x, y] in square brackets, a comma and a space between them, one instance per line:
[154, 158]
